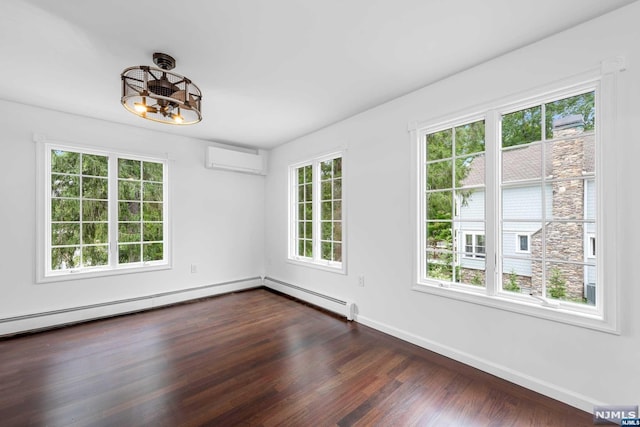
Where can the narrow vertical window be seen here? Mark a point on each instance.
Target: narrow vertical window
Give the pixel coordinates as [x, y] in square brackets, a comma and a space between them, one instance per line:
[454, 204]
[317, 212]
[79, 210]
[140, 211]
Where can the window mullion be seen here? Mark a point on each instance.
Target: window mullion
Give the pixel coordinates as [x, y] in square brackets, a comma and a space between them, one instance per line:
[493, 217]
[316, 205]
[113, 210]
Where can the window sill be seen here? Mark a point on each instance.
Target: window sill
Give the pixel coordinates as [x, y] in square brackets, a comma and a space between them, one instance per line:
[522, 305]
[333, 268]
[90, 274]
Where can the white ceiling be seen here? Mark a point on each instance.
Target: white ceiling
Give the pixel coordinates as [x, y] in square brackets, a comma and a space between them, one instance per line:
[270, 70]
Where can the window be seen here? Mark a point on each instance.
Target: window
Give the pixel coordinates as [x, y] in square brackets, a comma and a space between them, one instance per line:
[507, 205]
[474, 246]
[591, 246]
[317, 225]
[522, 243]
[102, 212]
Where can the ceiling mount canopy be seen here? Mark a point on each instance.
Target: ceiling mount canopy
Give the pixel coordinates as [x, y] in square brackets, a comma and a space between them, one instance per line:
[160, 95]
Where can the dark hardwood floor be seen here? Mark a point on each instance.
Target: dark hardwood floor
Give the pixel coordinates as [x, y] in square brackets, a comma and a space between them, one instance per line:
[253, 358]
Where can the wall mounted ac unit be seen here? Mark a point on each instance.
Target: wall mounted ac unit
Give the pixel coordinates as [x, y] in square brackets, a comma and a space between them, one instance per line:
[237, 161]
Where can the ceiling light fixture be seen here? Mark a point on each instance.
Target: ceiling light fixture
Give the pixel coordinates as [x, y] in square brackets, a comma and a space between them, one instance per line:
[160, 95]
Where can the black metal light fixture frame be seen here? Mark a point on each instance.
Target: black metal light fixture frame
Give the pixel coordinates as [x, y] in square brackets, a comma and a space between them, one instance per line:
[160, 95]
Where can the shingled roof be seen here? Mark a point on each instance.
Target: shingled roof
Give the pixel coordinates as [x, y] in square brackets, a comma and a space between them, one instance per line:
[524, 162]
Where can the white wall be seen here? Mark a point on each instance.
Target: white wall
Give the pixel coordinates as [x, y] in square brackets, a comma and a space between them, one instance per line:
[579, 366]
[217, 220]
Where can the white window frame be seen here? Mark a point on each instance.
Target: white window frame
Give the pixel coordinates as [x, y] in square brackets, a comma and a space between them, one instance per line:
[474, 254]
[605, 315]
[316, 261]
[44, 273]
[521, 251]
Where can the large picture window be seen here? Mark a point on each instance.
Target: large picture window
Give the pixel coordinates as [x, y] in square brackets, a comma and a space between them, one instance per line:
[102, 211]
[509, 204]
[317, 221]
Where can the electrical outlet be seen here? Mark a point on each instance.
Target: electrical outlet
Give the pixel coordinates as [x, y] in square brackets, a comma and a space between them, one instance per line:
[194, 268]
[361, 281]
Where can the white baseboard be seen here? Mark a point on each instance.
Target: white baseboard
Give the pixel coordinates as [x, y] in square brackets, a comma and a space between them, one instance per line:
[553, 391]
[36, 321]
[329, 303]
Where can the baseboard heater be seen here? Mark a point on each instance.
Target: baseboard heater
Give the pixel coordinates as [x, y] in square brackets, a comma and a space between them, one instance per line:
[338, 306]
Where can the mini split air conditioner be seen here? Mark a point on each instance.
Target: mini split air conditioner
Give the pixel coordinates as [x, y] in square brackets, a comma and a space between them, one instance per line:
[237, 161]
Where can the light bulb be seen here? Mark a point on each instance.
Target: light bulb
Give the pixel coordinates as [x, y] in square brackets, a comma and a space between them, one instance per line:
[140, 108]
[177, 118]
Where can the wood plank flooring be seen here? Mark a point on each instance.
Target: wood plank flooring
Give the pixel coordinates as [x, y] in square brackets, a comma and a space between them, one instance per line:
[254, 358]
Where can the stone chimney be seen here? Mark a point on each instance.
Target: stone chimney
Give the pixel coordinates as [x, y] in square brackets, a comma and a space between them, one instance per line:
[564, 241]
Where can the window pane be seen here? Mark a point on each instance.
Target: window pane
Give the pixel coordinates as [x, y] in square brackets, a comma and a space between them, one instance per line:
[337, 231]
[129, 253]
[129, 190]
[308, 232]
[95, 210]
[129, 211]
[337, 252]
[308, 211]
[95, 188]
[471, 272]
[470, 138]
[337, 167]
[308, 192]
[152, 171]
[65, 210]
[152, 232]
[440, 205]
[153, 251]
[67, 233]
[565, 241]
[565, 282]
[94, 165]
[129, 169]
[152, 211]
[523, 242]
[440, 145]
[95, 232]
[514, 281]
[327, 230]
[129, 232]
[337, 210]
[326, 170]
[152, 191]
[439, 235]
[522, 163]
[65, 162]
[326, 190]
[438, 270]
[580, 105]
[65, 258]
[337, 189]
[470, 170]
[326, 210]
[308, 174]
[308, 248]
[439, 175]
[326, 251]
[65, 185]
[522, 127]
[95, 255]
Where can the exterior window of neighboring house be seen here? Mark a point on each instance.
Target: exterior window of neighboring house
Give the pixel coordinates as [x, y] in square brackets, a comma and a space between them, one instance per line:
[316, 232]
[474, 245]
[525, 173]
[522, 243]
[591, 249]
[103, 212]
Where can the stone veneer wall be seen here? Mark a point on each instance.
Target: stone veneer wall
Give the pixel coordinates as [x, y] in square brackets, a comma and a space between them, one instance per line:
[564, 240]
